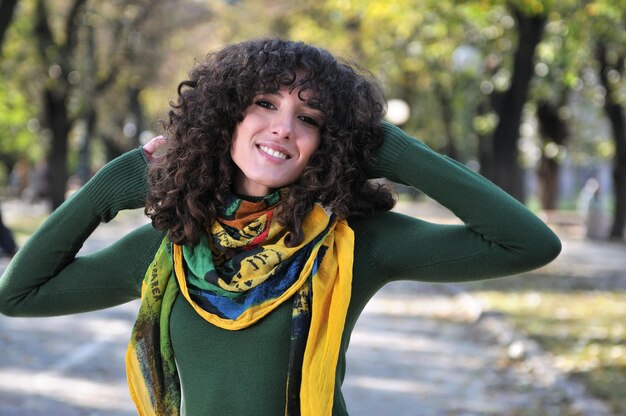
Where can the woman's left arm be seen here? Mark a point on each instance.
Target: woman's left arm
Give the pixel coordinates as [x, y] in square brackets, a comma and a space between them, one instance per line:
[48, 276]
[499, 236]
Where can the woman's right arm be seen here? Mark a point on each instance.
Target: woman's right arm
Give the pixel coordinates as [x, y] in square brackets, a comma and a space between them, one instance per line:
[498, 236]
[47, 278]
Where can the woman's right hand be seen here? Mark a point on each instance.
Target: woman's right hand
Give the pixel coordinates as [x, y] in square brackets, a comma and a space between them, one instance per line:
[154, 149]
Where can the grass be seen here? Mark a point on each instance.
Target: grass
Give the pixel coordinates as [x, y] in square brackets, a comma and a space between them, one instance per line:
[584, 329]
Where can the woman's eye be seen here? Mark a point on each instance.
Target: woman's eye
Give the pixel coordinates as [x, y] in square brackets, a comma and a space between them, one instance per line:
[265, 104]
[309, 120]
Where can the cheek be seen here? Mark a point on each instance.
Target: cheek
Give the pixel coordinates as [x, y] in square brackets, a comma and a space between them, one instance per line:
[311, 146]
[235, 151]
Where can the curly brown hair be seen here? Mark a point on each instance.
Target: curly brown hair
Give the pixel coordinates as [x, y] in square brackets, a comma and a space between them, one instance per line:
[188, 187]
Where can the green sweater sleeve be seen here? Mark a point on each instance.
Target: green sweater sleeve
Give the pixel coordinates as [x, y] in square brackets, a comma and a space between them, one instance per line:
[47, 278]
[498, 237]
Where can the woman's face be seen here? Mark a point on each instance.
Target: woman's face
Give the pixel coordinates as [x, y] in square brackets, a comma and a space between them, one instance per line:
[271, 147]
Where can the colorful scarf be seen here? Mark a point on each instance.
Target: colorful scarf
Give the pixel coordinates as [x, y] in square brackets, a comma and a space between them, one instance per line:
[237, 275]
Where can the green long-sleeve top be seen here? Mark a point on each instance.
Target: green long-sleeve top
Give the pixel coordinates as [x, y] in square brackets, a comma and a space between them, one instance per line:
[244, 372]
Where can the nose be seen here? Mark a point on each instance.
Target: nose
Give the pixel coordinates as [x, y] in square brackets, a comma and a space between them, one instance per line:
[282, 125]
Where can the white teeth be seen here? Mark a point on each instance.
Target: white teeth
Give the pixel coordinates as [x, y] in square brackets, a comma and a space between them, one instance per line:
[273, 152]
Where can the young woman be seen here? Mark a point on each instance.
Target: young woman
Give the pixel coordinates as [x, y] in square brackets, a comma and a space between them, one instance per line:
[267, 237]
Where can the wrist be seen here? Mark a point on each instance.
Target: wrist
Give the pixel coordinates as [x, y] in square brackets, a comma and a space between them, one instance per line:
[395, 143]
[120, 184]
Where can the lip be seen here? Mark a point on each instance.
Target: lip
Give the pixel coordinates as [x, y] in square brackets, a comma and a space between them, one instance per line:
[273, 147]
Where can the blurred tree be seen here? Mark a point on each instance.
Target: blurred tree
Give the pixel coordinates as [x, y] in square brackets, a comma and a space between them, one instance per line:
[17, 127]
[154, 36]
[55, 53]
[99, 47]
[553, 129]
[557, 75]
[115, 56]
[611, 69]
[608, 28]
[6, 15]
[502, 166]
[20, 128]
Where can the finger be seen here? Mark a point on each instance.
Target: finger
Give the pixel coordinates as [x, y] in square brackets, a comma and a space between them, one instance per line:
[154, 144]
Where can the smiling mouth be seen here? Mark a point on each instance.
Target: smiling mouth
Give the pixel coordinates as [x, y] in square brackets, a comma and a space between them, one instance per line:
[274, 153]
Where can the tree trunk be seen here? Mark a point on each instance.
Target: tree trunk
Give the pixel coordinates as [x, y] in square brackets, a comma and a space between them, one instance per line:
[619, 188]
[60, 125]
[111, 148]
[485, 149]
[506, 170]
[445, 102]
[553, 129]
[6, 15]
[89, 111]
[615, 113]
[84, 155]
[136, 109]
[56, 93]
[549, 172]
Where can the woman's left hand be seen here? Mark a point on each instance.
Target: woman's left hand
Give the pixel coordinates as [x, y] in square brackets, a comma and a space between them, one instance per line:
[154, 149]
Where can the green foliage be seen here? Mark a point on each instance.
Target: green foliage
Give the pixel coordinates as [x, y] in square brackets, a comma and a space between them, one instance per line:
[22, 135]
[18, 125]
[412, 46]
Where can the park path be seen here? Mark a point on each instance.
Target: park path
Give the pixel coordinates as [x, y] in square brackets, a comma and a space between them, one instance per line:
[419, 349]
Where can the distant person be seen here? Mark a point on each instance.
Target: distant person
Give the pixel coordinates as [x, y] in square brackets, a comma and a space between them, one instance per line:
[592, 211]
[267, 237]
[7, 242]
[19, 177]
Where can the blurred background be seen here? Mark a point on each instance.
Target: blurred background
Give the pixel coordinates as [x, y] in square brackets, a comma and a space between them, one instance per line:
[530, 93]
